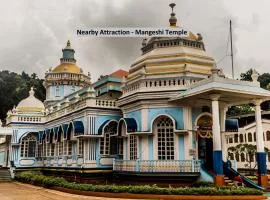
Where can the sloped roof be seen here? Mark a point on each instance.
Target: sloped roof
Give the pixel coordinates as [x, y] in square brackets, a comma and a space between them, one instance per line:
[233, 91]
[119, 73]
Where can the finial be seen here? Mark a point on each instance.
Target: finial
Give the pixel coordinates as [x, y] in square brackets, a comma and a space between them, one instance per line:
[144, 42]
[200, 38]
[172, 19]
[255, 76]
[172, 6]
[14, 110]
[31, 92]
[68, 43]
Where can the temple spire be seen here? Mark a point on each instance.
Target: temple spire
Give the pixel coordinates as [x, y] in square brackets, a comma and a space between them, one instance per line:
[31, 92]
[68, 43]
[68, 54]
[173, 19]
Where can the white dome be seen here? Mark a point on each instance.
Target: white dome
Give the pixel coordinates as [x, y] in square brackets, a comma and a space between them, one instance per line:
[30, 104]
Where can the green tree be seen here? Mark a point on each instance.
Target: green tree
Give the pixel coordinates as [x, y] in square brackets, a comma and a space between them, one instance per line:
[246, 76]
[15, 87]
[264, 80]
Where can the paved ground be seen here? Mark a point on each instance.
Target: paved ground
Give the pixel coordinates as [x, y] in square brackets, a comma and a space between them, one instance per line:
[18, 191]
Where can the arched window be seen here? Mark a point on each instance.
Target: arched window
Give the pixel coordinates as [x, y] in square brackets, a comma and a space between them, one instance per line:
[80, 147]
[254, 136]
[241, 138]
[105, 142]
[28, 146]
[237, 156]
[251, 158]
[67, 142]
[249, 137]
[268, 135]
[230, 156]
[242, 157]
[235, 138]
[165, 138]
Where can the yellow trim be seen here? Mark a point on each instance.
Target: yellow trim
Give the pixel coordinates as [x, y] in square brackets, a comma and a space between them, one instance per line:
[177, 69]
[29, 109]
[152, 57]
[67, 68]
[176, 63]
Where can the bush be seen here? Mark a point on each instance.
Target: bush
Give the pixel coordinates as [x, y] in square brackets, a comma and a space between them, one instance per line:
[202, 184]
[204, 188]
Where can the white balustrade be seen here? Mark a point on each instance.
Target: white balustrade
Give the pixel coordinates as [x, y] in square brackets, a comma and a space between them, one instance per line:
[157, 166]
[175, 83]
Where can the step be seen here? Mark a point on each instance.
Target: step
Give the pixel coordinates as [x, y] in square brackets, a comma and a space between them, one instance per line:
[4, 175]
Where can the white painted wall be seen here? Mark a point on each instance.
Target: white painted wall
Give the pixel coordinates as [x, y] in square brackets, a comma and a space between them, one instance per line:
[251, 128]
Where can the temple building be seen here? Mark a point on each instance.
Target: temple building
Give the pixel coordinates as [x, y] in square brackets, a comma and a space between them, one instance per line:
[65, 78]
[164, 118]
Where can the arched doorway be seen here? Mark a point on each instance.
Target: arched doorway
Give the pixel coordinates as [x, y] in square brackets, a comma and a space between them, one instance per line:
[205, 141]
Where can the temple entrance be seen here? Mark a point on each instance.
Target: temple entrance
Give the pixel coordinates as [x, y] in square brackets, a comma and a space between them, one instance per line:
[205, 141]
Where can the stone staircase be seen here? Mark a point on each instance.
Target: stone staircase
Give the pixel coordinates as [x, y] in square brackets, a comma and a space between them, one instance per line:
[228, 181]
[4, 175]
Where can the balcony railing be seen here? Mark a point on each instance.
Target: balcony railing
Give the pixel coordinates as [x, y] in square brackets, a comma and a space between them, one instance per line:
[157, 166]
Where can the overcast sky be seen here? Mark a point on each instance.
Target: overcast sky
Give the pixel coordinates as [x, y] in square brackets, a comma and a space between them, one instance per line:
[34, 32]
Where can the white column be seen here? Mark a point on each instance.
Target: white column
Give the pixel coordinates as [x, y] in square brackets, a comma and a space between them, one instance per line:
[261, 155]
[187, 116]
[217, 151]
[216, 123]
[144, 119]
[223, 129]
[259, 128]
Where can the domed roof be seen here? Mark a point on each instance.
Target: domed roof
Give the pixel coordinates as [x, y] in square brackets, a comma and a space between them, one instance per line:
[67, 67]
[30, 104]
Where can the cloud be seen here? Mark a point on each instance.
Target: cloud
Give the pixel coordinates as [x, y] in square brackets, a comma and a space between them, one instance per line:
[36, 31]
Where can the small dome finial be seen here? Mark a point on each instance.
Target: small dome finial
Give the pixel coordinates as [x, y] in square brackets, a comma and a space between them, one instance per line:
[31, 92]
[68, 43]
[172, 19]
[172, 6]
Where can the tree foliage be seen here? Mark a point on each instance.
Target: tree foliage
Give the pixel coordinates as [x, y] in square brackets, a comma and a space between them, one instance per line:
[15, 87]
[264, 80]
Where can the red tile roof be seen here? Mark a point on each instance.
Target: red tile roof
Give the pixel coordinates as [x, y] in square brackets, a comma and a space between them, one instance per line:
[119, 73]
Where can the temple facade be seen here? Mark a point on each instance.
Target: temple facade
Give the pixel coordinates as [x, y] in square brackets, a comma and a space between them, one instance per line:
[166, 115]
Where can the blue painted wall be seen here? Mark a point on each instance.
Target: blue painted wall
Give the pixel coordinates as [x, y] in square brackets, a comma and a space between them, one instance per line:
[175, 112]
[68, 53]
[100, 119]
[181, 147]
[98, 152]
[150, 148]
[195, 113]
[137, 116]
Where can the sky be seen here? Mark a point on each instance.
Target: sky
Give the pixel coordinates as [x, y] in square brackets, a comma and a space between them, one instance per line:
[33, 32]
